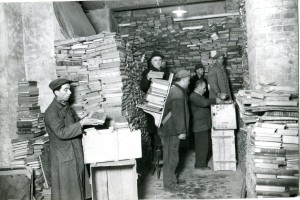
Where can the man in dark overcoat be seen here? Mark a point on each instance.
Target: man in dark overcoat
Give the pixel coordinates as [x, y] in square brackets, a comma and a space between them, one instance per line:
[175, 124]
[201, 124]
[154, 64]
[217, 78]
[69, 178]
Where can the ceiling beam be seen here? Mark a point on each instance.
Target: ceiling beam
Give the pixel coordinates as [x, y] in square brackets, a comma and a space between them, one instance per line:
[205, 17]
[161, 5]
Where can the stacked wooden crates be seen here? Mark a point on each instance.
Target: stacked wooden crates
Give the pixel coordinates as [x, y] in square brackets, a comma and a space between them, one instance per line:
[111, 154]
[223, 140]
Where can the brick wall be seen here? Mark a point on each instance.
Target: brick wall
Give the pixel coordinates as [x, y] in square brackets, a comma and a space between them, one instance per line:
[272, 27]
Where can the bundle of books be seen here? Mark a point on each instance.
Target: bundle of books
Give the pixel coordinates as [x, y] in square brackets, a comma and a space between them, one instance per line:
[21, 148]
[275, 154]
[185, 45]
[30, 120]
[272, 104]
[156, 98]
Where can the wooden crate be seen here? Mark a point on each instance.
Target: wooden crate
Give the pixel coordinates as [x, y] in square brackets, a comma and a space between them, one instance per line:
[223, 116]
[112, 146]
[114, 180]
[223, 147]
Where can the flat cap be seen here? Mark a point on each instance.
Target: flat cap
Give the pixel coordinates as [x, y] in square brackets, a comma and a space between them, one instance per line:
[156, 53]
[198, 66]
[219, 54]
[58, 82]
[182, 73]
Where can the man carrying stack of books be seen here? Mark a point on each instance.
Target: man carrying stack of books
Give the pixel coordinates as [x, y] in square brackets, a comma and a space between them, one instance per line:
[154, 66]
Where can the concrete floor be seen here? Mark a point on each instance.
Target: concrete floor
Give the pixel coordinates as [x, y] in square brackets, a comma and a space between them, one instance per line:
[199, 184]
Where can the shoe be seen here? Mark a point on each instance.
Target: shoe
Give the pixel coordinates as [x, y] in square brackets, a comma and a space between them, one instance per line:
[173, 188]
[203, 168]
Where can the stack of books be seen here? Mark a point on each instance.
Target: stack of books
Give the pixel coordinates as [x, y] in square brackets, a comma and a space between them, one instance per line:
[156, 98]
[276, 165]
[21, 148]
[184, 45]
[30, 120]
[97, 65]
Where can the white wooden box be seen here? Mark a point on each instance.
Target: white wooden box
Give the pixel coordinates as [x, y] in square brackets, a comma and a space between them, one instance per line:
[107, 146]
[223, 147]
[223, 116]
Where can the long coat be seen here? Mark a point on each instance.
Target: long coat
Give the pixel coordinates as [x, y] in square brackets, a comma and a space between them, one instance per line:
[200, 108]
[69, 178]
[145, 85]
[218, 81]
[177, 104]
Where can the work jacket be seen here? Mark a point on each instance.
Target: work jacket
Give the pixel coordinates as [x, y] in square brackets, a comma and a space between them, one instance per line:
[200, 109]
[177, 105]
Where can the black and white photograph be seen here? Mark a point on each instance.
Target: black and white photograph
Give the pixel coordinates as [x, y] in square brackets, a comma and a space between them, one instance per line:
[149, 99]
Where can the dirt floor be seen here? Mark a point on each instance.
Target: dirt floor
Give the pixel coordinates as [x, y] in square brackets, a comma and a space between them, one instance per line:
[199, 184]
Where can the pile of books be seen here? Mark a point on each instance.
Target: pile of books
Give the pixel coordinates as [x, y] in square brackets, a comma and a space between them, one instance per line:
[97, 65]
[184, 45]
[275, 154]
[30, 122]
[274, 104]
[105, 77]
[21, 148]
[271, 117]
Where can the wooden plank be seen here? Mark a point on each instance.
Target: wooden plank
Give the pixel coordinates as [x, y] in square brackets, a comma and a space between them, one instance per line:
[115, 190]
[99, 184]
[114, 163]
[205, 17]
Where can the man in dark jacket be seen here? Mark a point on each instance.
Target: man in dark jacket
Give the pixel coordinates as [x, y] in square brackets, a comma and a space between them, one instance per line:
[199, 70]
[201, 124]
[154, 64]
[174, 128]
[69, 178]
[218, 79]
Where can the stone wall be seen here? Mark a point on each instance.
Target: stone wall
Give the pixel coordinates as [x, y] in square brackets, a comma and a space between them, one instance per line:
[27, 52]
[272, 27]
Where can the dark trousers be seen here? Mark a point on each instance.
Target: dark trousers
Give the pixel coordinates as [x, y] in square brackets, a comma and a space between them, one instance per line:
[171, 160]
[202, 147]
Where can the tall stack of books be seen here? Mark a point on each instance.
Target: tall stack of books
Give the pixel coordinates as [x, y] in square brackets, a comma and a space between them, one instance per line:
[273, 149]
[276, 163]
[105, 78]
[30, 120]
[96, 64]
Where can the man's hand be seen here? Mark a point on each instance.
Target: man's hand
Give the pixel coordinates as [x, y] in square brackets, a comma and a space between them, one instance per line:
[218, 101]
[182, 136]
[148, 77]
[223, 96]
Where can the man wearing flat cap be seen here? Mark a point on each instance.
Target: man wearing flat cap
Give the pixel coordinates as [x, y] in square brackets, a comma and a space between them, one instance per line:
[175, 124]
[218, 79]
[69, 178]
[199, 70]
[154, 64]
